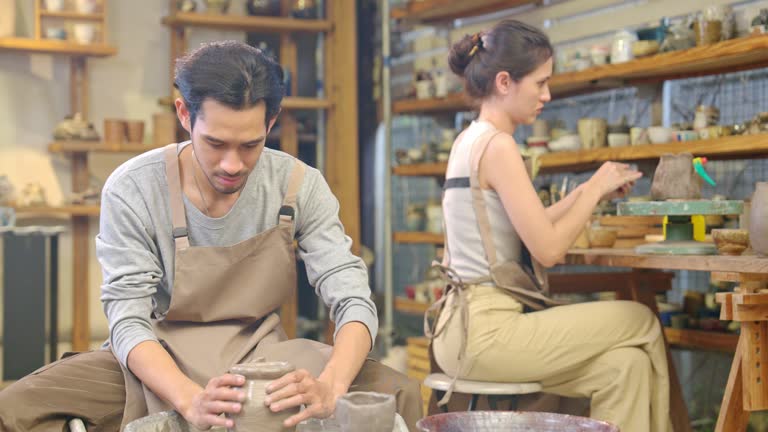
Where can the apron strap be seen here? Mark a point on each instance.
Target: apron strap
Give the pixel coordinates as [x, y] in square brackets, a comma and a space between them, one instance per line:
[478, 201]
[288, 209]
[178, 215]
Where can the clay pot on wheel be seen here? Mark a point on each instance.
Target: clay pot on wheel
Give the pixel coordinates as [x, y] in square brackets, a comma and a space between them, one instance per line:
[675, 178]
[255, 416]
[758, 219]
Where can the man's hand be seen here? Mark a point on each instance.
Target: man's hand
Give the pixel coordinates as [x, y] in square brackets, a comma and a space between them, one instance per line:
[300, 387]
[205, 406]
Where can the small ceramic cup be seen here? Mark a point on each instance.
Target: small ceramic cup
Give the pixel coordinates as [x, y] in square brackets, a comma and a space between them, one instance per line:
[54, 5]
[368, 411]
[86, 6]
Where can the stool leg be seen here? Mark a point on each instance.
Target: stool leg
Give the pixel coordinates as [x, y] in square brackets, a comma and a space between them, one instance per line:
[439, 395]
[472, 402]
[513, 402]
[493, 402]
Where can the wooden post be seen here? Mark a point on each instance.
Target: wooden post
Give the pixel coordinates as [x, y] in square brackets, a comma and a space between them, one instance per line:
[289, 143]
[733, 417]
[754, 354]
[81, 331]
[342, 161]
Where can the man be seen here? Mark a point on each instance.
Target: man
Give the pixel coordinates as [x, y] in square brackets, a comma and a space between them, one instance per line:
[196, 248]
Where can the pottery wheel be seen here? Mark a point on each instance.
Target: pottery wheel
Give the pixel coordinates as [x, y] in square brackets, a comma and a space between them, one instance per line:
[679, 229]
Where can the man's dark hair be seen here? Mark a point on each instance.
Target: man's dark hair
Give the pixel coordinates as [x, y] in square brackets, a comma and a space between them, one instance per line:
[233, 74]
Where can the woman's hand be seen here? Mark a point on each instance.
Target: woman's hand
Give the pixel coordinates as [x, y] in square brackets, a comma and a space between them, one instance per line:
[614, 180]
[301, 388]
[204, 408]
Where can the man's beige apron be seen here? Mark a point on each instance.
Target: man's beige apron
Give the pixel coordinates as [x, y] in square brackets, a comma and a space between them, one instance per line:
[224, 299]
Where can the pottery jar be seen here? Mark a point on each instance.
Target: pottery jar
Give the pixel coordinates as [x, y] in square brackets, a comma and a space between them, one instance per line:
[254, 415]
[675, 178]
[758, 219]
[366, 411]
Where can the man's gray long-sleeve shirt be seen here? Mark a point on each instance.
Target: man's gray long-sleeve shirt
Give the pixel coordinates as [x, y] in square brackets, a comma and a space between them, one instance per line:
[136, 250]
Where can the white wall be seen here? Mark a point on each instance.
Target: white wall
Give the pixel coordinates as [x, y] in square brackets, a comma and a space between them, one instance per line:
[34, 96]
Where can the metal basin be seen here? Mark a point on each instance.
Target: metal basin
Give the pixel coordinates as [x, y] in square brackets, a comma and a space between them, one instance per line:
[511, 421]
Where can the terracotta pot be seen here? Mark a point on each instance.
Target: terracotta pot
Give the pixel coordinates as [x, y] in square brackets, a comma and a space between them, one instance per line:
[135, 131]
[163, 128]
[675, 178]
[255, 416]
[366, 411]
[758, 219]
[114, 131]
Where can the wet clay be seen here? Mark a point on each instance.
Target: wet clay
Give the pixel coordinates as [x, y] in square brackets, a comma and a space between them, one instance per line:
[255, 416]
[675, 178]
[758, 219]
[366, 411]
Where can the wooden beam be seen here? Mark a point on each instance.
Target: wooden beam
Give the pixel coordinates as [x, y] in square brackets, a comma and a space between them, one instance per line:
[247, 23]
[733, 417]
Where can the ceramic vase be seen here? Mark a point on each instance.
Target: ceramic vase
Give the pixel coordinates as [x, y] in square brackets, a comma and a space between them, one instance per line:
[758, 219]
[675, 178]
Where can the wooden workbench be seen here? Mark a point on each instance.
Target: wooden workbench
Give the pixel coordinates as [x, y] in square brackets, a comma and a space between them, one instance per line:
[747, 388]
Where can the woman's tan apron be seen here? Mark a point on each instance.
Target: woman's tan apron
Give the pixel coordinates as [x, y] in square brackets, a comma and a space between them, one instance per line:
[528, 287]
[224, 299]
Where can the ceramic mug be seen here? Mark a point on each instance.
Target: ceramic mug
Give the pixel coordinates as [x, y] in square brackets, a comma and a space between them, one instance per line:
[54, 5]
[86, 6]
[84, 33]
[592, 132]
[424, 89]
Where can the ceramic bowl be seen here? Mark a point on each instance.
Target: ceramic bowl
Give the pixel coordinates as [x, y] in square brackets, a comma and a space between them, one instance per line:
[600, 237]
[569, 142]
[537, 140]
[730, 241]
[643, 48]
[84, 33]
[618, 139]
[659, 134]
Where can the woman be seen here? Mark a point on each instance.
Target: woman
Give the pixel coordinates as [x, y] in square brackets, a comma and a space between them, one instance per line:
[611, 352]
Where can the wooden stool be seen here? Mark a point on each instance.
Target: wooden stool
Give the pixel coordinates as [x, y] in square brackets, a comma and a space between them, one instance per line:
[493, 390]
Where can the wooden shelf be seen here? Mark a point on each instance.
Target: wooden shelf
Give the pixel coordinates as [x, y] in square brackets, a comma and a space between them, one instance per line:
[418, 237]
[721, 148]
[71, 210]
[437, 10]
[727, 56]
[298, 102]
[433, 169]
[699, 339]
[408, 306]
[628, 258]
[96, 147]
[452, 102]
[48, 46]
[72, 15]
[247, 23]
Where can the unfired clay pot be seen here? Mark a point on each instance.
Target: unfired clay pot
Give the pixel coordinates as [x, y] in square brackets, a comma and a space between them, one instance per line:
[366, 411]
[255, 416]
[758, 219]
[675, 178]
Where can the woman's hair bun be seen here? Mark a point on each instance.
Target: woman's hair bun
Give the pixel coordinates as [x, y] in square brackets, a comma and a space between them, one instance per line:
[460, 57]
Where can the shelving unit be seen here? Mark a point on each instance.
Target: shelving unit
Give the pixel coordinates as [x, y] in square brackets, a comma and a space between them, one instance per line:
[338, 100]
[723, 57]
[78, 91]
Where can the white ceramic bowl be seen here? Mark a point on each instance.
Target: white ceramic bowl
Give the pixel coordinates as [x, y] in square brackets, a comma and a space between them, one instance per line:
[570, 142]
[618, 139]
[659, 134]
